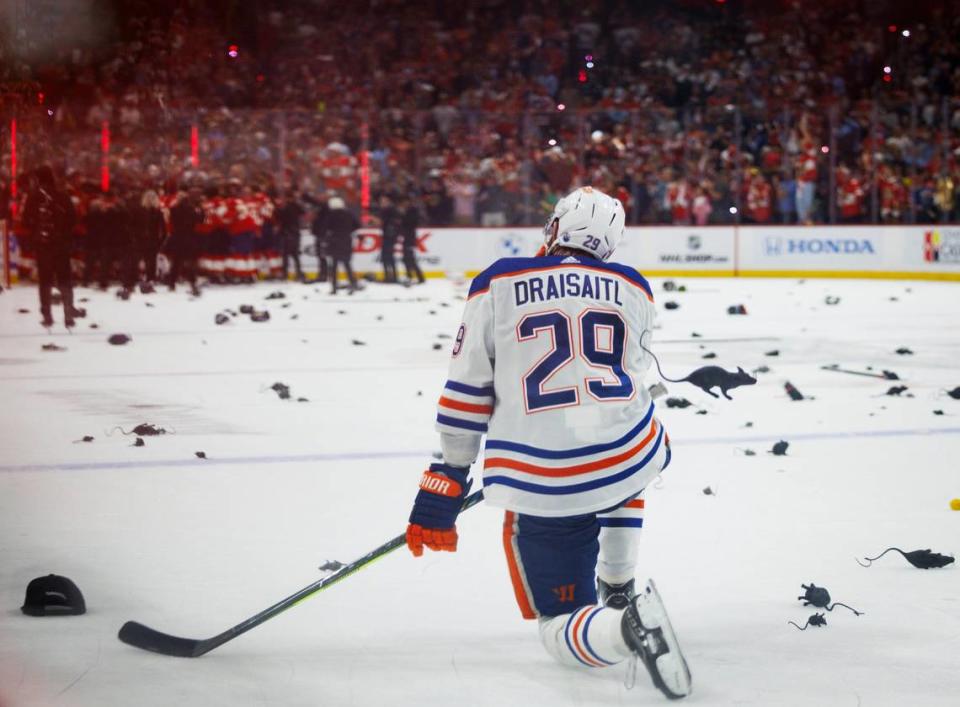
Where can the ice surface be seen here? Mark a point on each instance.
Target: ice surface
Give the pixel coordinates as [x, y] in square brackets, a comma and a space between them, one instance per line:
[192, 546]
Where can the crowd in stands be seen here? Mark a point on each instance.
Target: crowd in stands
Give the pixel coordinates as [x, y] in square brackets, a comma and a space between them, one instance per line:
[486, 111]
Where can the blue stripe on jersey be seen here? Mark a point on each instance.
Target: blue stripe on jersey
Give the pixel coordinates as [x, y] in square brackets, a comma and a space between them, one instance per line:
[620, 522]
[576, 488]
[632, 275]
[586, 639]
[485, 392]
[464, 424]
[568, 453]
[506, 266]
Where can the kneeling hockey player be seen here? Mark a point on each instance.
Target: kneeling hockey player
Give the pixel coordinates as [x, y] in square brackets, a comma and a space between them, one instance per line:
[548, 364]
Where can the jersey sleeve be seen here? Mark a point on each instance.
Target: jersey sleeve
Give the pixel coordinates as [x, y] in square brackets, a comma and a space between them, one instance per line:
[646, 317]
[467, 400]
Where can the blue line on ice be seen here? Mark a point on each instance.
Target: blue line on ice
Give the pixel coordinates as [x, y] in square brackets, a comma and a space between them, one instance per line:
[359, 368]
[354, 456]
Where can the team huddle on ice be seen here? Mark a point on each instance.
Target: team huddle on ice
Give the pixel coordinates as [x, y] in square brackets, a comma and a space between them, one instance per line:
[549, 365]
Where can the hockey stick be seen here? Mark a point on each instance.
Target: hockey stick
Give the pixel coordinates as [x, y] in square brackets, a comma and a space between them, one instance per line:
[886, 375]
[140, 636]
[700, 340]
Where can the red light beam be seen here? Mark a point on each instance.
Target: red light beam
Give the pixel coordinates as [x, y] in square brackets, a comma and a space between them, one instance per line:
[13, 168]
[105, 156]
[194, 146]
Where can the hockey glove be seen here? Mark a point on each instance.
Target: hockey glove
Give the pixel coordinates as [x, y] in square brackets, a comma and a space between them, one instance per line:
[434, 516]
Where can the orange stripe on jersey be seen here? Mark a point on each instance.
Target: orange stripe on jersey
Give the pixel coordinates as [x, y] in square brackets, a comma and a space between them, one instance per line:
[635, 503]
[465, 407]
[563, 471]
[519, 589]
[576, 641]
[565, 266]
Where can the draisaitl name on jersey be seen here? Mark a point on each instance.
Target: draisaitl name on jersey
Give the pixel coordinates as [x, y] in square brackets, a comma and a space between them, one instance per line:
[541, 288]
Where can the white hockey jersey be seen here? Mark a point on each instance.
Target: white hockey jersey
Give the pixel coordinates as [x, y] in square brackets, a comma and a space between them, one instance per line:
[548, 364]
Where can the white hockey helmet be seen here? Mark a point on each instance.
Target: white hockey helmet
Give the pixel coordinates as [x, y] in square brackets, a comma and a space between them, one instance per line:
[587, 220]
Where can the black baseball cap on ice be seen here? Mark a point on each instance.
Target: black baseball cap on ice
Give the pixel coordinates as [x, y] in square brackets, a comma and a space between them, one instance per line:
[53, 595]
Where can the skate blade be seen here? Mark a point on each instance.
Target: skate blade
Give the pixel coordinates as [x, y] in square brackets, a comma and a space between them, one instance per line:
[667, 666]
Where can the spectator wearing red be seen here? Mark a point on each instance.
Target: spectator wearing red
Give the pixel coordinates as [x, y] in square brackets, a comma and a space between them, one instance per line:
[849, 196]
[679, 198]
[759, 199]
[702, 207]
[893, 194]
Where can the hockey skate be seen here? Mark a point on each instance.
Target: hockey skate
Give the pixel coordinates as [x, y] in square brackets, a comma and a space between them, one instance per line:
[647, 631]
[615, 596]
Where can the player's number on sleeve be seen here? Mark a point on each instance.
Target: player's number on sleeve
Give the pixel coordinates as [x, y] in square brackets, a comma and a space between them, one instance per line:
[602, 335]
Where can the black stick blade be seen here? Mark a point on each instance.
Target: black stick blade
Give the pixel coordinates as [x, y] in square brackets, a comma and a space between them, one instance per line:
[140, 636]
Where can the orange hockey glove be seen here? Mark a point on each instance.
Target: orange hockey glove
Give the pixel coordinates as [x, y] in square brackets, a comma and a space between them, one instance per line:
[434, 515]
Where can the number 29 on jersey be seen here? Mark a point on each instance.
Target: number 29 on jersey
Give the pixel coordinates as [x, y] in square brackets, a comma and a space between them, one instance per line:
[598, 338]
